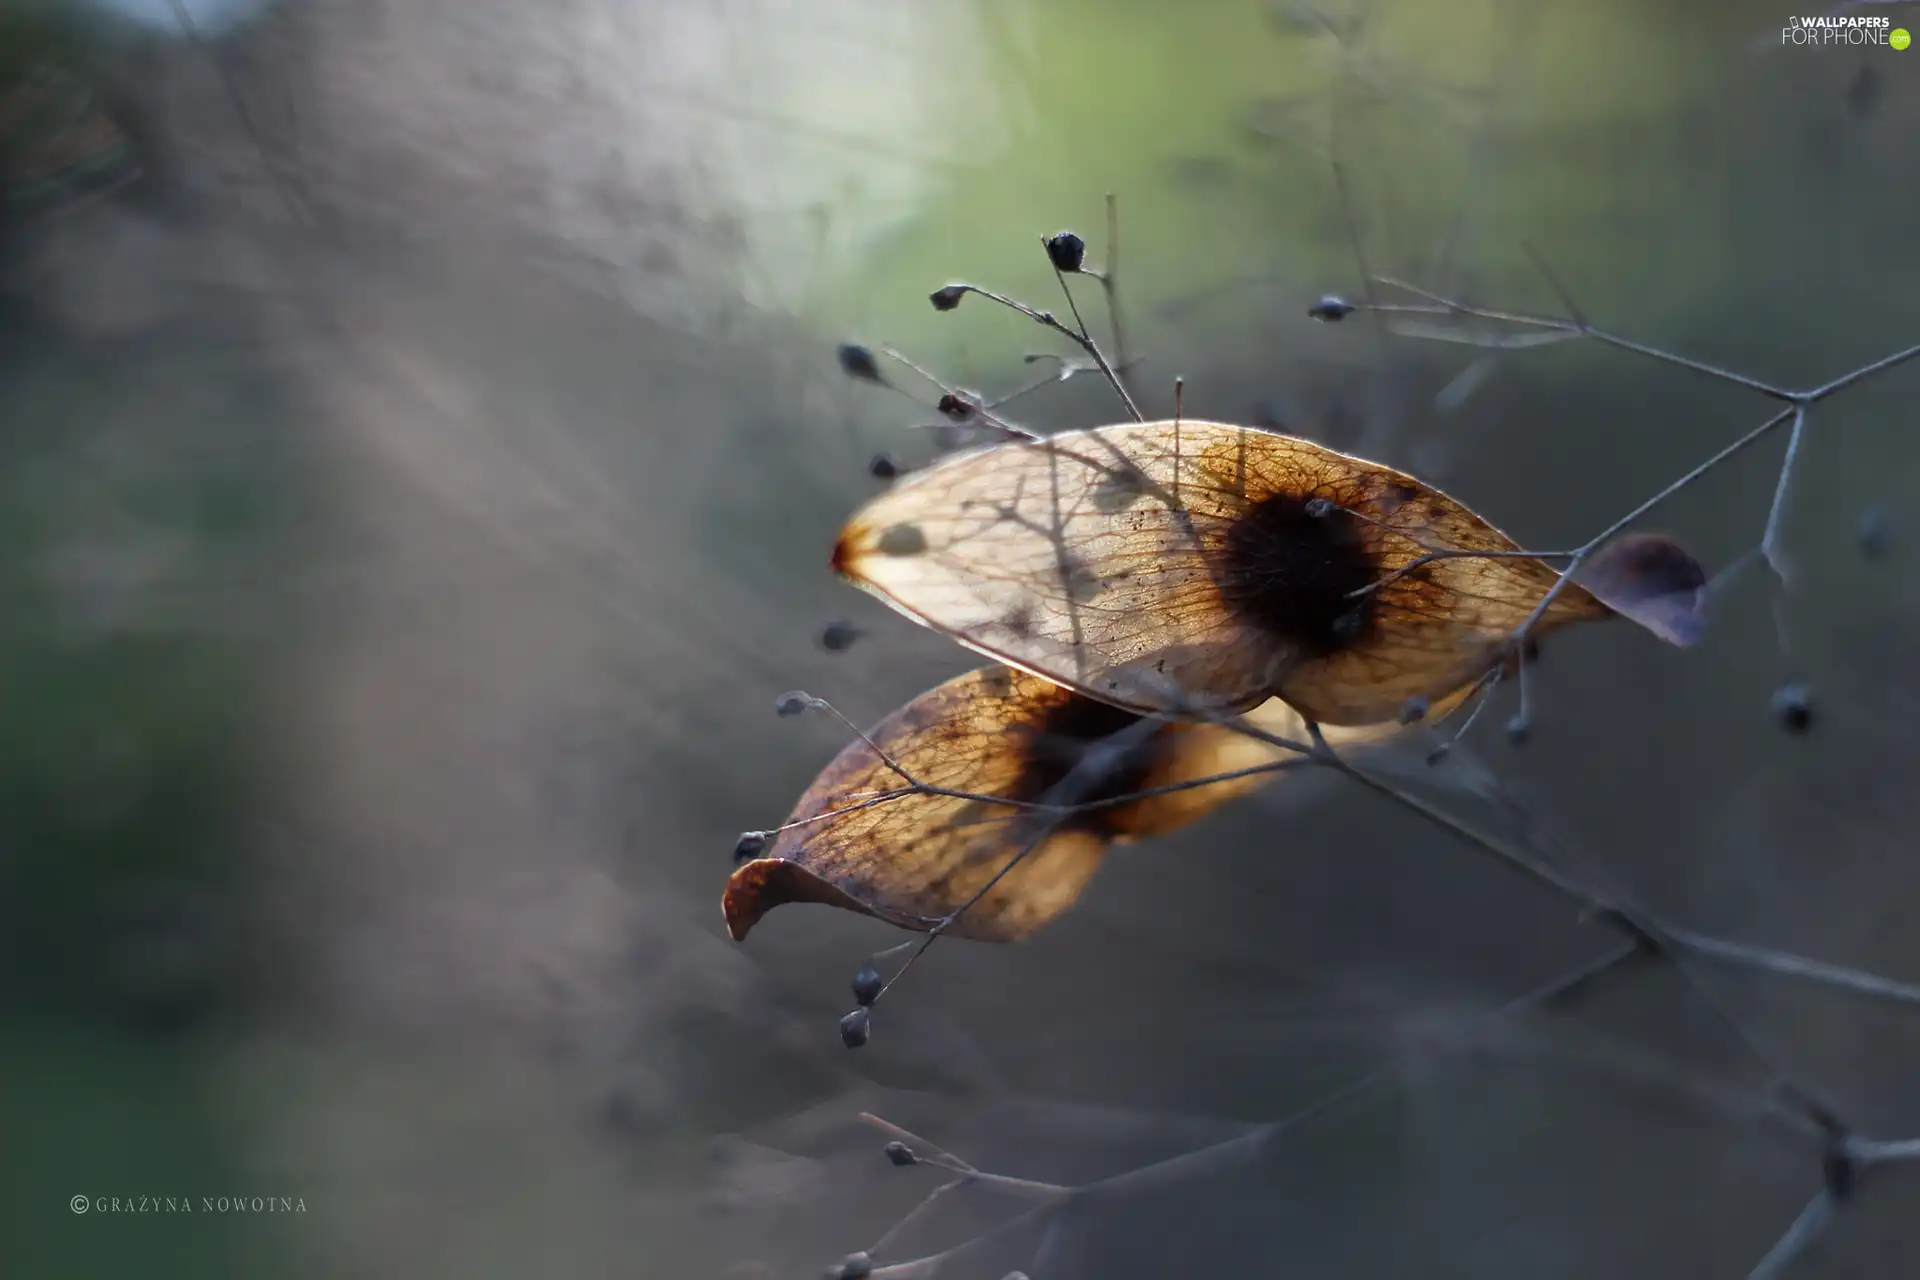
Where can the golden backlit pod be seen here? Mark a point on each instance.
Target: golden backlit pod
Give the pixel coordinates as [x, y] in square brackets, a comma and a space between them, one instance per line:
[912, 859]
[1198, 567]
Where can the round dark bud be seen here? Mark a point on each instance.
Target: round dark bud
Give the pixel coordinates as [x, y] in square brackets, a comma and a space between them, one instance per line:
[956, 405]
[791, 704]
[1319, 508]
[749, 845]
[1348, 626]
[1793, 707]
[1519, 729]
[1874, 533]
[1066, 251]
[867, 985]
[883, 467]
[1415, 709]
[857, 362]
[838, 637]
[853, 1029]
[901, 1154]
[855, 1266]
[1438, 754]
[947, 297]
[1331, 309]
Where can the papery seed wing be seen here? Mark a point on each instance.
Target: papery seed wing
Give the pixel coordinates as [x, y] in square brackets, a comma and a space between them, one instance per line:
[1651, 579]
[860, 840]
[1195, 567]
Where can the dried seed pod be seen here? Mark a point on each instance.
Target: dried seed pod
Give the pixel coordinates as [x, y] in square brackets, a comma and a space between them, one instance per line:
[1190, 568]
[914, 858]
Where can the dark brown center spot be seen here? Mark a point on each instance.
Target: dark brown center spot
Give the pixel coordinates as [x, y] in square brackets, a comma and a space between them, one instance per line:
[1114, 752]
[1300, 572]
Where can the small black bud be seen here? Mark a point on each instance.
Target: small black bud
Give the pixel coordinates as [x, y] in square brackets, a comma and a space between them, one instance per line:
[1415, 709]
[1066, 251]
[957, 405]
[1874, 533]
[791, 704]
[1530, 651]
[883, 467]
[901, 1154]
[1331, 309]
[853, 1029]
[855, 1266]
[749, 845]
[1319, 508]
[838, 637]
[867, 984]
[1438, 754]
[858, 363]
[1793, 707]
[1519, 729]
[947, 297]
[1347, 627]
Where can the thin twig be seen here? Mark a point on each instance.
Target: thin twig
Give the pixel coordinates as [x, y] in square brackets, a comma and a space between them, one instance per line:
[1220, 1156]
[1047, 320]
[1109, 277]
[1645, 932]
[288, 189]
[1805, 1229]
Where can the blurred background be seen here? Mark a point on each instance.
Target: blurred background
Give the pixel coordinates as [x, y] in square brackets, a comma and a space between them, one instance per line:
[420, 445]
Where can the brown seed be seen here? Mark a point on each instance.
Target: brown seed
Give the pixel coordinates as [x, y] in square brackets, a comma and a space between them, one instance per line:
[862, 839]
[1243, 565]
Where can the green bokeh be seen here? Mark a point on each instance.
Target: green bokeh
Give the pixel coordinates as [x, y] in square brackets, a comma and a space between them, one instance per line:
[136, 488]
